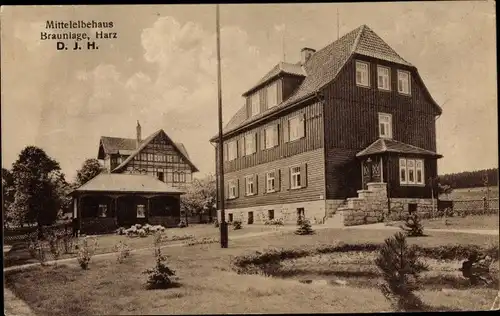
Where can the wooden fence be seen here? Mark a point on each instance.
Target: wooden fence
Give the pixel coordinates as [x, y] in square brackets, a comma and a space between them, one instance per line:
[468, 207]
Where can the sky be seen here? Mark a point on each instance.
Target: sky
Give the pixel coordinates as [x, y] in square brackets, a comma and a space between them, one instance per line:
[161, 70]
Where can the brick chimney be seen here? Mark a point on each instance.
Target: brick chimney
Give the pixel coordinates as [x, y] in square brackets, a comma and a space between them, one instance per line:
[138, 129]
[305, 54]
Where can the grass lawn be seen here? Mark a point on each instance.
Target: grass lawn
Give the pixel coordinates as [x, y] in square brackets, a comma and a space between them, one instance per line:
[210, 286]
[469, 222]
[19, 253]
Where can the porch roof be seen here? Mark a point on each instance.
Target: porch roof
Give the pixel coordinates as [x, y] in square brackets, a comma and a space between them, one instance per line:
[116, 182]
[383, 145]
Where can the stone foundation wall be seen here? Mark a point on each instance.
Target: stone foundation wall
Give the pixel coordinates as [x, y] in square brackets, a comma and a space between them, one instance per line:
[372, 206]
[332, 206]
[166, 221]
[313, 210]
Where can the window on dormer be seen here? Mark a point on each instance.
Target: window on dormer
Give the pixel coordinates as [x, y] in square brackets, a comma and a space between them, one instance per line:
[272, 95]
[255, 103]
[403, 82]
[383, 75]
[362, 71]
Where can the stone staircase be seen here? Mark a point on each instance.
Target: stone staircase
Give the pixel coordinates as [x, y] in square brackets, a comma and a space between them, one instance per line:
[363, 209]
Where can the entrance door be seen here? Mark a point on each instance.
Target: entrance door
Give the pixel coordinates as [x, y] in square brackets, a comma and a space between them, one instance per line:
[372, 171]
[250, 217]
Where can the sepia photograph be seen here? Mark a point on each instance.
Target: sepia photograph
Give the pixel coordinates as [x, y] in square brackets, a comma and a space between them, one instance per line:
[250, 158]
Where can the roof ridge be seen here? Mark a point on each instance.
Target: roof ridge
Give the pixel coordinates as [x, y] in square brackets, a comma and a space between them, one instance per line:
[358, 37]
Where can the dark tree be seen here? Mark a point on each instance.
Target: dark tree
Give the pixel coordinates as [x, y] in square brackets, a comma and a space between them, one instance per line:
[36, 197]
[90, 169]
[400, 268]
[8, 191]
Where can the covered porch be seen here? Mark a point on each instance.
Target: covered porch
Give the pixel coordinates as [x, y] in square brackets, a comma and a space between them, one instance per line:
[406, 169]
[110, 201]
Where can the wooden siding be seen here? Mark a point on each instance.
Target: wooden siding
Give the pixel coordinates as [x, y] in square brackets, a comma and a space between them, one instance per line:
[342, 173]
[311, 161]
[313, 139]
[391, 173]
[351, 112]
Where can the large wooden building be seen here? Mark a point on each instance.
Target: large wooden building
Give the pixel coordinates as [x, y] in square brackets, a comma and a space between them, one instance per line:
[142, 182]
[314, 134]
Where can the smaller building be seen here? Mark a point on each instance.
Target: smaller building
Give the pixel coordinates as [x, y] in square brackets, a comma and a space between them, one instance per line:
[109, 201]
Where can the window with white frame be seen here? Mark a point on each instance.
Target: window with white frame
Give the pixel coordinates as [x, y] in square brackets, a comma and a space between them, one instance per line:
[232, 150]
[232, 189]
[270, 182]
[250, 144]
[271, 136]
[272, 95]
[103, 210]
[141, 211]
[383, 75]
[296, 128]
[255, 103]
[249, 186]
[403, 82]
[362, 71]
[176, 177]
[411, 171]
[385, 125]
[295, 177]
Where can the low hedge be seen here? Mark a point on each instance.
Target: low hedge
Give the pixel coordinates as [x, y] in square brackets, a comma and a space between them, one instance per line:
[246, 263]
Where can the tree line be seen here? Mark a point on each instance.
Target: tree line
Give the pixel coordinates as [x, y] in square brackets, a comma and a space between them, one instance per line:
[35, 189]
[470, 179]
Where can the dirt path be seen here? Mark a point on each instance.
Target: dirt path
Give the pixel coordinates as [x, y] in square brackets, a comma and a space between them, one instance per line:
[464, 231]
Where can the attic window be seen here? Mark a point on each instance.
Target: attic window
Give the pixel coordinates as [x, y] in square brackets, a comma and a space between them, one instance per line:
[362, 71]
[403, 82]
[272, 95]
[255, 103]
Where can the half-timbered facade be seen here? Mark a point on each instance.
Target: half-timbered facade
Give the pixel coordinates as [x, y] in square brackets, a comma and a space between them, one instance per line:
[314, 134]
[142, 183]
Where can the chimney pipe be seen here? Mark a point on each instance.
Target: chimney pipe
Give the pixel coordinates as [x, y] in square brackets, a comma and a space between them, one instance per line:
[305, 54]
[138, 139]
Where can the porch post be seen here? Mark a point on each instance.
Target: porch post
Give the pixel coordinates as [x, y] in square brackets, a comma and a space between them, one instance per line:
[115, 208]
[148, 209]
[79, 212]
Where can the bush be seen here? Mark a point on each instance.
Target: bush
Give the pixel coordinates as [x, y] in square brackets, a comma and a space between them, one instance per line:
[275, 222]
[304, 228]
[54, 246]
[37, 251]
[477, 268]
[121, 231]
[400, 268]
[161, 276]
[413, 226]
[123, 251]
[182, 224]
[237, 224]
[86, 252]
[142, 232]
[216, 223]
[202, 241]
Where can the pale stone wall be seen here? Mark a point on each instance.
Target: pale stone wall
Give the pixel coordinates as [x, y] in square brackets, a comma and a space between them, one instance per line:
[332, 206]
[313, 210]
[372, 206]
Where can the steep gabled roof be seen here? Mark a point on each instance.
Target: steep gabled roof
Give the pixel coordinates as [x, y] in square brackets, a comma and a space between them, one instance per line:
[145, 142]
[323, 67]
[280, 68]
[117, 182]
[383, 145]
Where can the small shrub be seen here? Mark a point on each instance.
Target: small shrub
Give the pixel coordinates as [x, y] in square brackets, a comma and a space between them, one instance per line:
[54, 246]
[137, 226]
[216, 223]
[237, 224]
[85, 252]
[202, 241]
[182, 224]
[121, 231]
[413, 226]
[37, 251]
[304, 228]
[142, 232]
[161, 276]
[123, 251]
[68, 242]
[400, 268]
[477, 268]
[275, 222]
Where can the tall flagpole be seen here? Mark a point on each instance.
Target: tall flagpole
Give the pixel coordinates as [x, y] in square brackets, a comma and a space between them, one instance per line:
[223, 224]
[338, 27]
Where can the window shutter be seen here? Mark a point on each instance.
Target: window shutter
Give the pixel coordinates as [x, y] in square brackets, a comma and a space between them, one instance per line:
[276, 134]
[240, 147]
[302, 125]
[237, 184]
[277, 179]
[265, 183]
[225, 152]
[255, 136]
[286, 178]
[226, 189]
[263, 139]
[286, 135]
[303, 175]
[255, 184]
